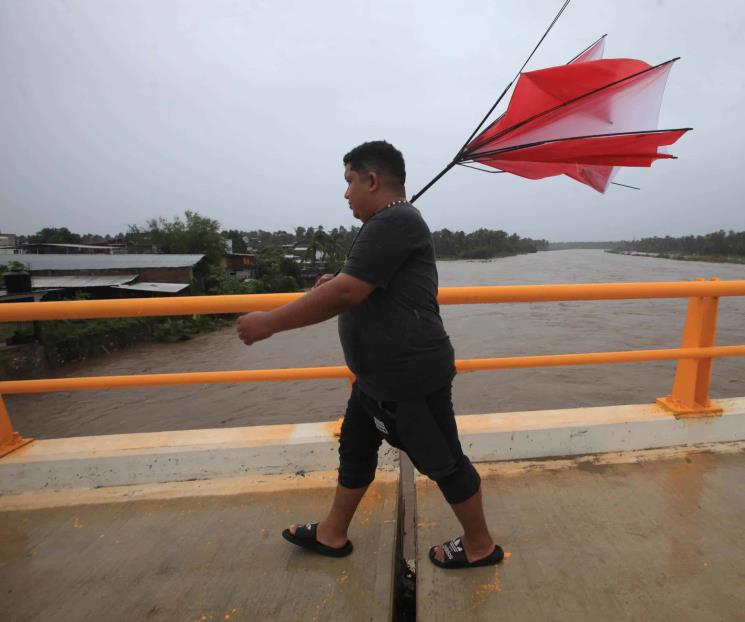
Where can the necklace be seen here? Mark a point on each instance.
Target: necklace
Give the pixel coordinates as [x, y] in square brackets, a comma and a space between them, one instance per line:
[391, 204]
[396, 202]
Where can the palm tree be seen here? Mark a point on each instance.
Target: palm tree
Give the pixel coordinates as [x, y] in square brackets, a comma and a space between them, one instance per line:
[318, 243]
[335, 248]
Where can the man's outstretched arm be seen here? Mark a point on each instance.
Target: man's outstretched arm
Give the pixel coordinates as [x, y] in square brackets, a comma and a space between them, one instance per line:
[321, 303]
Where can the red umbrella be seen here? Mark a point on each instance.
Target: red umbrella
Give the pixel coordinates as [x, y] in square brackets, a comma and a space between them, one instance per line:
[583, 119]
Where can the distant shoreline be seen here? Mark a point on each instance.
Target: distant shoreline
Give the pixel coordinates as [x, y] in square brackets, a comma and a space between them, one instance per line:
[684, 257]
[497, 256]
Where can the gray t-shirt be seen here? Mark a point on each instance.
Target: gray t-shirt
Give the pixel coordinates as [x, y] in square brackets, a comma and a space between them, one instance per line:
[394, 341]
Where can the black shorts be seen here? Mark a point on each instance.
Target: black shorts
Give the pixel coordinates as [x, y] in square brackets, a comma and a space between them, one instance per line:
[423, 427]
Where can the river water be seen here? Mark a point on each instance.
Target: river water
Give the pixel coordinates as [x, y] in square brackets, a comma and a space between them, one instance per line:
[476, 331]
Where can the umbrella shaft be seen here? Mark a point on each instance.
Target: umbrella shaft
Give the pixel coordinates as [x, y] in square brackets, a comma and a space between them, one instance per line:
[432, 183]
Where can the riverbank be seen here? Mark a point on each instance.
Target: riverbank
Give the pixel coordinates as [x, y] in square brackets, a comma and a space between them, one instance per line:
[486, 257]
[683, 257]
[31, 349]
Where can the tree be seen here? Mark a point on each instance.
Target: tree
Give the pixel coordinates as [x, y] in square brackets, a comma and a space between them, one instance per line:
[318, 243]
[275, 272]
[196, 234]
[239, 244]
[52, 235]
[717, 243]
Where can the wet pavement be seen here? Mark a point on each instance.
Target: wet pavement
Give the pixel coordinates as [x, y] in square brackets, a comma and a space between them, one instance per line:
[195, 558]
[657, 540]
[648, 536]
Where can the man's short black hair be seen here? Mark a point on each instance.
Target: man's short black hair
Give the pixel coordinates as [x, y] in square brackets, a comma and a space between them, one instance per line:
[378, 156]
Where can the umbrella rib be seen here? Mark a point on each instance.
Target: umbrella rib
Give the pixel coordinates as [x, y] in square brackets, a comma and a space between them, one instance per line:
[615, 183]
[496, 103]
[567, 103]
[517, 75]
[558, 140]
[475, 168]
[587, 48]
[499, 118]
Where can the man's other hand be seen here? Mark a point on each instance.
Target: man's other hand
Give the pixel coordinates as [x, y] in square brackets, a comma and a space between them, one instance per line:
[253, 327]
[324, 278]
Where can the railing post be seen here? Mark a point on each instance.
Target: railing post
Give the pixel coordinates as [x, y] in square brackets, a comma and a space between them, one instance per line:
[9, 439]
[690, 396]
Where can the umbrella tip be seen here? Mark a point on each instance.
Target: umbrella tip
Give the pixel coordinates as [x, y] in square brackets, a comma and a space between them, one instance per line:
[615, 183]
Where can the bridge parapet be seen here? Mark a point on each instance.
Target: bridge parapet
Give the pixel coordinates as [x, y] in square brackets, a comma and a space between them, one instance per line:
[689, 396]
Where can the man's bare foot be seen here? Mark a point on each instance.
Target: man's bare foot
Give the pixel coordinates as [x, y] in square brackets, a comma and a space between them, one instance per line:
[324, 537]
[473, 553]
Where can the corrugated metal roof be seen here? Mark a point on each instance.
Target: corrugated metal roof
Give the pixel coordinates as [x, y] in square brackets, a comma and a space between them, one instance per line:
[83, 280]
[162, 288]
[102, 262]
[88, 246]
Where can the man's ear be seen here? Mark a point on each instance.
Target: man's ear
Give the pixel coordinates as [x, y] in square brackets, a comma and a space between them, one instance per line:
[373, 181]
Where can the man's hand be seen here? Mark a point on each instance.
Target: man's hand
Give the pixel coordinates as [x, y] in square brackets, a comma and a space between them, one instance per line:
[339, 294]
[324, 278]
[253, 327]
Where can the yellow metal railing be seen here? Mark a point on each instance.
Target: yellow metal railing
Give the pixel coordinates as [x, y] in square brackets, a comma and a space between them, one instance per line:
[690, 394]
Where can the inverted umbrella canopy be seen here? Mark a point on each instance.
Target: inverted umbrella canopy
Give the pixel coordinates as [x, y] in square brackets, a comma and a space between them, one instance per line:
[583, 119]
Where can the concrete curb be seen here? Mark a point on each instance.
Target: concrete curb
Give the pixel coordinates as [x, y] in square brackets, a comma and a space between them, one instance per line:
[573, 432]
[133, 459]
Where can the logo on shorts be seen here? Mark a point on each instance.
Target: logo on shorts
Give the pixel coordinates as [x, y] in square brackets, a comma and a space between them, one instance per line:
[380, 425]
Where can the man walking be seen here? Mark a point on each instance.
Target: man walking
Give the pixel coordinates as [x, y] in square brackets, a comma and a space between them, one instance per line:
[394, 342]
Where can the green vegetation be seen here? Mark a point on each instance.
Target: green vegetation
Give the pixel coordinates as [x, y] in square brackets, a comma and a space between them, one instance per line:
[324, 251]
[483, 244]
[20, 331]
[681, 257]
[12, 266]
[62, 235]
[719, 247]
[332, 246]
[72, 340]
[194, 234]
[52, 235]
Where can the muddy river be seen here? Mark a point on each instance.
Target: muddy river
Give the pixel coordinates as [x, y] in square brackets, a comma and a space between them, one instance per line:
[476, 331]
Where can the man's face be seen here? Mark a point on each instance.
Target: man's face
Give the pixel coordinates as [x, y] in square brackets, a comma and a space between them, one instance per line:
[358, 193]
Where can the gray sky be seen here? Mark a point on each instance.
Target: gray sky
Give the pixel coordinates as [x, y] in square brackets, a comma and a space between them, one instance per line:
[112, 112]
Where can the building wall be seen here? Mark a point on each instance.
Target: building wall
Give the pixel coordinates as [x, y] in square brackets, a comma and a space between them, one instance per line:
[239, 262]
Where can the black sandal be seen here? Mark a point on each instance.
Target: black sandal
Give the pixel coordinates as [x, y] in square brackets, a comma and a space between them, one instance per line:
[455, 556]
[305, 537]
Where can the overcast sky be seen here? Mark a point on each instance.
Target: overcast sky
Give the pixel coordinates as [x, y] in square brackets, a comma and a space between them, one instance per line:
[113, 112]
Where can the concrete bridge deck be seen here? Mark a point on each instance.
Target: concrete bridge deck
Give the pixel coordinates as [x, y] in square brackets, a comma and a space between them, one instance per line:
[195, 551]
[655, 536]
[186, 526]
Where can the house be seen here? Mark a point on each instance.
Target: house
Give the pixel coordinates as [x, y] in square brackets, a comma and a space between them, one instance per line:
[158, 274]
[8, 243]
[158, 268]
[240, 265]
[76, 249]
